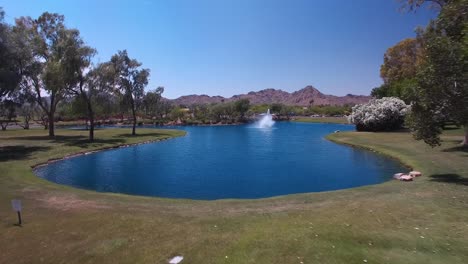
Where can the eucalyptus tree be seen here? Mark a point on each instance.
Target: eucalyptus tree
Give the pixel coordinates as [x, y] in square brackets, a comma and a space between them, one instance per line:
[10, 74]
[25, 108]
[241, 107]
[129, 80]
[151, 102]
[7, 113]
[90, 81]
[47, 51]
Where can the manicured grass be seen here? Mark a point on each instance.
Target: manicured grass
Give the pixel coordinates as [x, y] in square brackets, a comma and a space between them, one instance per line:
[425, 221]
[332, 120]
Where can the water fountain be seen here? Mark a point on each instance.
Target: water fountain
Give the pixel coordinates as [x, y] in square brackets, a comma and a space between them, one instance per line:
[266, 121]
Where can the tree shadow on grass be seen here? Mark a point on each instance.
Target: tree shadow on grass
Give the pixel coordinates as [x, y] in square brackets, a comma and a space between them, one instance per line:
[449, 178]
[463, 150]
[85, 143]
[73, 140]
[8, 153]
[56, 139]
[152, 134]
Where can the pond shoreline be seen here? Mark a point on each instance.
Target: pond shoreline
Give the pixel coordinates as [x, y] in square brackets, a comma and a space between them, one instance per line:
[81, 153]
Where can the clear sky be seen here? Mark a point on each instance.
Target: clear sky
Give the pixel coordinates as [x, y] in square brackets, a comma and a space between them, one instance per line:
[227, 47]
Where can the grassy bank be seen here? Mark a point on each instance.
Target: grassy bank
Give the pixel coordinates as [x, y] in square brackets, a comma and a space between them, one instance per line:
[328, 120]
[425, 221]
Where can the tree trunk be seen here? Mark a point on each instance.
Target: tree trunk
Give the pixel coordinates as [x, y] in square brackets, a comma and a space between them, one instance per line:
[134, 117]
[465, 139]
[134, 121]
[26, 122]
[51, 125]
[91, 121]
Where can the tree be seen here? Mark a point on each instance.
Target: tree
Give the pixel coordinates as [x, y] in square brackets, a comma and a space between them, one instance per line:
[25, 108]
[276, 108]
[201, 112]
[10, 74]
[177, 114]
[413, 5]
[92, 82]
[129, 80]
[242, 106]
[400, 61]
[442, 78]
[7, 113]
[85, 82]
[399, 70]
[164, 108]
[46, 47]
[151, 102]
[403, 89]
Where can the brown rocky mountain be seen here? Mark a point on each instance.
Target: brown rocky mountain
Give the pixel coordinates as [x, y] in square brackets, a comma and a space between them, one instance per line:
[302, 97]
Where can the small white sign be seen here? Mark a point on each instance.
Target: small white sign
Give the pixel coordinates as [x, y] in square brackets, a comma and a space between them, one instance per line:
[16, 204]
[176, 260]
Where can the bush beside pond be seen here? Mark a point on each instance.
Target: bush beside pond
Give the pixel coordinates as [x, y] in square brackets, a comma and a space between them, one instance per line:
[383, 114]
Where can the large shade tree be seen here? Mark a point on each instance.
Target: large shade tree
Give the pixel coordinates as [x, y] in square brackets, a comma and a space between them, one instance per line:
[129, 80]
[47, 50]
[399, 70]
[10, 73]
[441, 92]
[92, 83]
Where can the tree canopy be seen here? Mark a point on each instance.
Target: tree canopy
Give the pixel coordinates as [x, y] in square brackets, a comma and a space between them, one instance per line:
[441, 92]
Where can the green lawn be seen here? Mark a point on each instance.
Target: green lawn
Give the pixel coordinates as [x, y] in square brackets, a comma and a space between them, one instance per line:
[425, 221]
[332, 120]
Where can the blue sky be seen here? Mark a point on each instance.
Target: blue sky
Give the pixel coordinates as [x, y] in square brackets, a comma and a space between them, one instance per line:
[227, 47]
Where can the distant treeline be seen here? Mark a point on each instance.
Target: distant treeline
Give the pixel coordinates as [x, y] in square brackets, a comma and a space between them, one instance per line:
[162, 111]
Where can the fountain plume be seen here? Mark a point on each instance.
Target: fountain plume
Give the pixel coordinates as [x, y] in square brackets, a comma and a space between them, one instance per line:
[266, 121]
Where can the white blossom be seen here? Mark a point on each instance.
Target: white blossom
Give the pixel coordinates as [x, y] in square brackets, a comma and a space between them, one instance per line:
[379, 114]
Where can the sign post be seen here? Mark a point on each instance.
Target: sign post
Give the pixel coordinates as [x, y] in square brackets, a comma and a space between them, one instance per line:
[16, 204]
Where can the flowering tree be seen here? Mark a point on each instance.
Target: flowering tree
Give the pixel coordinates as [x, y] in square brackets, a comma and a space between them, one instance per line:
[383, 114]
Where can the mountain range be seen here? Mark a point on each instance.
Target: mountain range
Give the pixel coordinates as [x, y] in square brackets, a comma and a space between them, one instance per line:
[304, 97]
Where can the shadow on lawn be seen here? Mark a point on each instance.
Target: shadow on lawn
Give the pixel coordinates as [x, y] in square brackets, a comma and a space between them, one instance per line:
[152, 134]
[18, 152]
[463, 150]
[76, 141]
[56, 139]
[449, 178]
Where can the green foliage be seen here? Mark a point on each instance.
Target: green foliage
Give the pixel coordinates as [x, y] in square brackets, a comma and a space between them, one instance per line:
[328, 110]
[442, 90]
[259, 108]
[9, 68]
[129, 80]
[400, 61]
[403, 89]
[412, 5]
[177, 113]
[7, 112]
[48, 57]
[151, 102]
[241, 107]
[399, 70]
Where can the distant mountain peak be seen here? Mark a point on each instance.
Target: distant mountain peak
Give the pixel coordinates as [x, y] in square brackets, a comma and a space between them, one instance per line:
[303, 97]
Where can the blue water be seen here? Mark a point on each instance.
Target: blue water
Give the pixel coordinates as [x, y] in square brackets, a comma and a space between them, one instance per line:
[215, 162]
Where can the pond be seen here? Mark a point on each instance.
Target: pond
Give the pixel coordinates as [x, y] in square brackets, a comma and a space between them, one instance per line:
[216, 162]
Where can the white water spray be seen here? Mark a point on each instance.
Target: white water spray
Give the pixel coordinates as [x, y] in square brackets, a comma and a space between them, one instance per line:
[266, 121]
